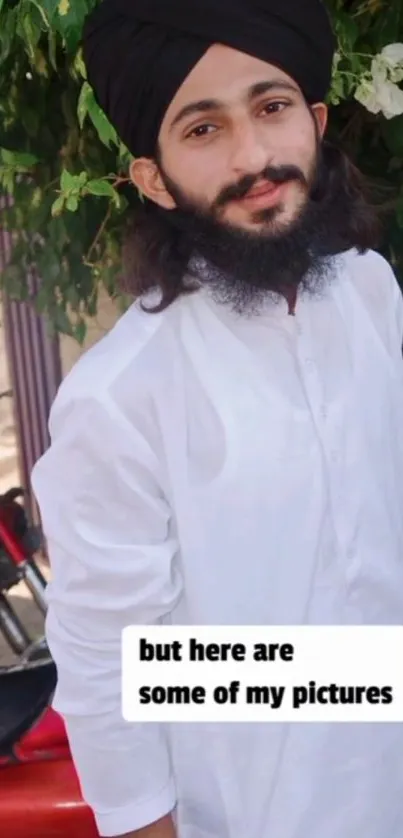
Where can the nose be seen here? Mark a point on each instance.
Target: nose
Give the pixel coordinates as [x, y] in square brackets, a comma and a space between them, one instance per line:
[250, 153]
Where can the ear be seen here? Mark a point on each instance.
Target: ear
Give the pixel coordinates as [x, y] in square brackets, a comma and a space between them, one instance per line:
[145, 175]
[320, 113]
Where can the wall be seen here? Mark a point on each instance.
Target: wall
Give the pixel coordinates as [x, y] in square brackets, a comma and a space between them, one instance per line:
[9, 462]
[10, 472]
[107, 316]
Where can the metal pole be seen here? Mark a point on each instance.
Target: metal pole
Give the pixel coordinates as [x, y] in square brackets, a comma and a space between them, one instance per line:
[36, 373]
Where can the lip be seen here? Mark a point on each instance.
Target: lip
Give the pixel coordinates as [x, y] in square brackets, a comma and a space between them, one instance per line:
[263, 196]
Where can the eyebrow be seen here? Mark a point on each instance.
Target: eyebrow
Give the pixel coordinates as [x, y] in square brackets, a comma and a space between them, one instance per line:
[208, 105]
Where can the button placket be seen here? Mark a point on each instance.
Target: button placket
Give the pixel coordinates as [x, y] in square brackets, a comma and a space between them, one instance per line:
[309, 372]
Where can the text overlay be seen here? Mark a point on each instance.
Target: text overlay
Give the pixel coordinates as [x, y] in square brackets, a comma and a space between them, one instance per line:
[259, 674]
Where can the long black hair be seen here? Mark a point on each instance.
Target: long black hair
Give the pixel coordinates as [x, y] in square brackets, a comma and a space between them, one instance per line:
[157, 254]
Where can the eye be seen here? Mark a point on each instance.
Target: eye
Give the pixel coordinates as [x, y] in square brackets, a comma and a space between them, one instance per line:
[274, 107]
[201, 131]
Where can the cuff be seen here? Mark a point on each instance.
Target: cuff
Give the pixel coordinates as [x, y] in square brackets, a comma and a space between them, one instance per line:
[136, 815]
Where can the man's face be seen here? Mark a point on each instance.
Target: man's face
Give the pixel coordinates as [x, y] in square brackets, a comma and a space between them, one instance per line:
[240, 143]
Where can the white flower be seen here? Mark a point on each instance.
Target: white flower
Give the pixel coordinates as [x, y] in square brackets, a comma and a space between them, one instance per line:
[379, 91]
[390, 98]
[382, 96]
[396, 75]
[366, 94]
[393, 55]
[379, 70]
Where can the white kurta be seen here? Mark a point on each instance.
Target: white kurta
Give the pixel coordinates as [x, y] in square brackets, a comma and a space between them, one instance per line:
[212, 469]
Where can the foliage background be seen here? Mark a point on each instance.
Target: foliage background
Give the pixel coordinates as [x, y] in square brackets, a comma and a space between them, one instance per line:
[66, 172]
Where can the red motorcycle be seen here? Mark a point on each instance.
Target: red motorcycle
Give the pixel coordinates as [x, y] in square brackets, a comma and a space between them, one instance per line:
[39, 790]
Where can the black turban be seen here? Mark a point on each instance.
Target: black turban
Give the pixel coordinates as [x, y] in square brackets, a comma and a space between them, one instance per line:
[138, 53]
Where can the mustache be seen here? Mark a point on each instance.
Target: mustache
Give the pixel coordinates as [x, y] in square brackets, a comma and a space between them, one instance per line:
[277, 175]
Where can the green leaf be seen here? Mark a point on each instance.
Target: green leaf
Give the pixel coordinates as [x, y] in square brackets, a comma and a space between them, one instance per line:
[84, 99]
[12, 280]
[106, 132]
[52, 41]
[37, 197]
[58, 234]
[49, 9]
[80, 332]
[337, 92]
[102, 189]
[347, 32]
[79, 65]
[72, 203]
[61, 321]
[125, 157]
[18, 159]
[73, 298]
[32, 34]
[63, 7]
[67, 181]
[9, 21]
[7, 181]
[39, 7]
[58, 206]
[92, 303]
[41, 300]
[69, 24]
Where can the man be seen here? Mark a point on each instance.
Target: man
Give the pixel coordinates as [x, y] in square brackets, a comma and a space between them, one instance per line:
[231, 453]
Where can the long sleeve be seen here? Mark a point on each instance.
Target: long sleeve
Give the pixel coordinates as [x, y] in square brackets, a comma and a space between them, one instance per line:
[394, 308]
[113, 563]
[398, 301]
[377, 284]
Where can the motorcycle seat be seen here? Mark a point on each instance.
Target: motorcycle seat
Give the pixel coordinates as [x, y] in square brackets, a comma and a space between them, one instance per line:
[40, 800]
[25, 693]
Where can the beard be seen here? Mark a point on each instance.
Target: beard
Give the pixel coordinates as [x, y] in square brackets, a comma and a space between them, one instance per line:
[242, 268]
